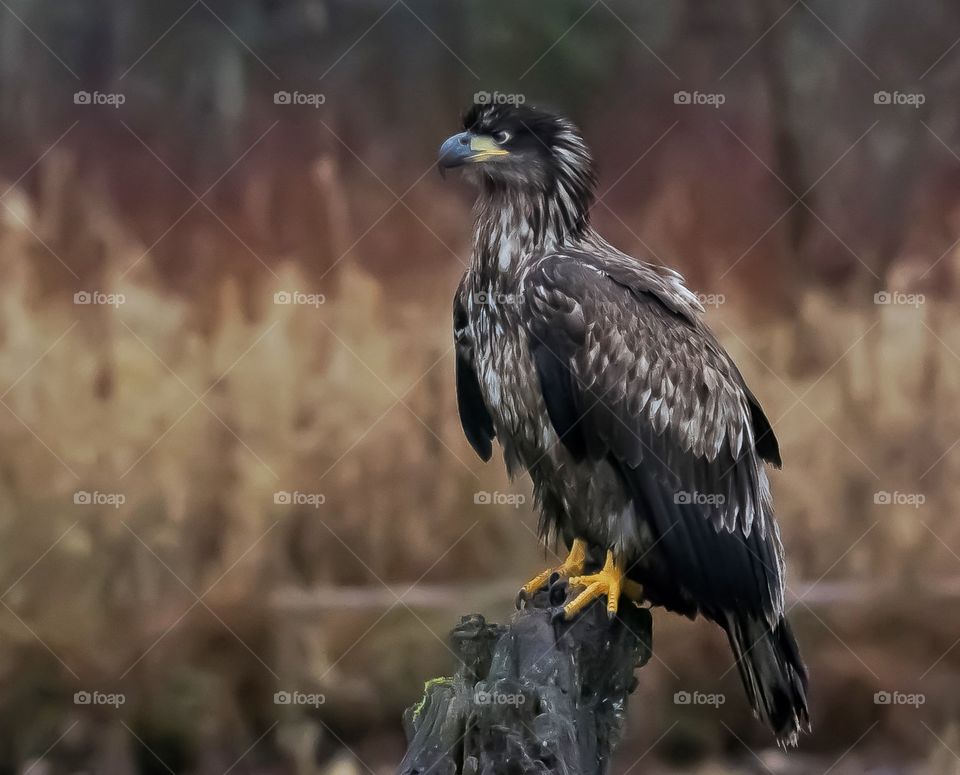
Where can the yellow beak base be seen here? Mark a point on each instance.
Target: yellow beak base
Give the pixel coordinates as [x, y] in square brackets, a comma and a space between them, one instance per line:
[483, 148]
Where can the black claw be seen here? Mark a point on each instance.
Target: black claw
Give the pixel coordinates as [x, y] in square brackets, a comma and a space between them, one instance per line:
[557, 614]
[554, 578]
[520, 599]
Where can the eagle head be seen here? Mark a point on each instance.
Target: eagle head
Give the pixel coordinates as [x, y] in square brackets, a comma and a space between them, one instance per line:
[524, 149]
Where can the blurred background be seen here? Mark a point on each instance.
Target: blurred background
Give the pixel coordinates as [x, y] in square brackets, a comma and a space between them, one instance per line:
[237, 512]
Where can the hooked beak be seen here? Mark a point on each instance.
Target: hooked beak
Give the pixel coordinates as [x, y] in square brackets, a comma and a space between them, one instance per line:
[467, 148]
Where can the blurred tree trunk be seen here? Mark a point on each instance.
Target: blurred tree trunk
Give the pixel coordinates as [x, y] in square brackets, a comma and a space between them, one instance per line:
[789, 167]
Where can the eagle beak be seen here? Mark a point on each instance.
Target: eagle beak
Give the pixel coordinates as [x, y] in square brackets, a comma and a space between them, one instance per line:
[467, 148]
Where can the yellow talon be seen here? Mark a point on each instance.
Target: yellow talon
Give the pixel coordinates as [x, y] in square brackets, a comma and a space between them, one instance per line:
[570, 567]
[609, 581]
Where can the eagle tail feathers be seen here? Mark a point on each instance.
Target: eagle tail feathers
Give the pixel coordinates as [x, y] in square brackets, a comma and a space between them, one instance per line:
[772, 672]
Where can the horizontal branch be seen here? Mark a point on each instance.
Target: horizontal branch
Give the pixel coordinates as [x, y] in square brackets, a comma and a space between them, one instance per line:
[483, 595]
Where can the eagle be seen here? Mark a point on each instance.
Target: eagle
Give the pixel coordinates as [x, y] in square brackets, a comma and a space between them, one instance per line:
[597, 375]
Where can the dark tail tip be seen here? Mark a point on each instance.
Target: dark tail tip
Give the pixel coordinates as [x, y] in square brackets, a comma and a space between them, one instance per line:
[773, 674]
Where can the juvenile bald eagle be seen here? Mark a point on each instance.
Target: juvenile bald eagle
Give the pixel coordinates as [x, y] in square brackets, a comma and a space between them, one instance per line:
[599, 378]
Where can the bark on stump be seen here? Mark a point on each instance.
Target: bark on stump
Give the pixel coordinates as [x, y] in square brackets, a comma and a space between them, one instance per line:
[534, 696]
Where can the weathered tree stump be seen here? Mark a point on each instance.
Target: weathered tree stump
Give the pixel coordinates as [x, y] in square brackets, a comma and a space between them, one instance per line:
[539, 695]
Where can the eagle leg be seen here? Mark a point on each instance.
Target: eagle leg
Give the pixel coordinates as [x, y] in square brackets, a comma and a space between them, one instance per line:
[610, 581]
[571, 566]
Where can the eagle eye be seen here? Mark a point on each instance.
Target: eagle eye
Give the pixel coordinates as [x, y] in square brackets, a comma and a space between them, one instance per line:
[502, 136]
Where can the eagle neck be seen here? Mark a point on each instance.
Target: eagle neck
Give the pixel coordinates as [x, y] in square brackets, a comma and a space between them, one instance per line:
[512, 227]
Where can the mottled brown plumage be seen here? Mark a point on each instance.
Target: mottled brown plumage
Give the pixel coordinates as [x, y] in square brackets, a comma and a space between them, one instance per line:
[597, 375]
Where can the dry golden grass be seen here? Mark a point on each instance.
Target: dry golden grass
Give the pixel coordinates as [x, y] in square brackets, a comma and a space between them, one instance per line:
[198, 426]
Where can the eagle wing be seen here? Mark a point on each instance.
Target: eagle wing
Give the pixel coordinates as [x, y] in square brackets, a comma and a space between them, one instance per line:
[474, 417]
[630, 375]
